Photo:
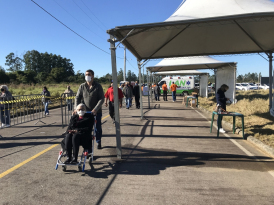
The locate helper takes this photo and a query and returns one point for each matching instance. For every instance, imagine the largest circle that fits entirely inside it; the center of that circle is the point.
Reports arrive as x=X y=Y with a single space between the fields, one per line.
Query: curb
x=266 y=148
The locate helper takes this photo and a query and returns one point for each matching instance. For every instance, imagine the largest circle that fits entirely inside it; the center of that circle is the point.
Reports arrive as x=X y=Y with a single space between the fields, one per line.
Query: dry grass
x=254 y=106
x=55 y=89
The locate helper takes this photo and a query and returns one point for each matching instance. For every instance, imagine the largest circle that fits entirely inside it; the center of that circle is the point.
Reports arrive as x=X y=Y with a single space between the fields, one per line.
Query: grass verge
x=254 y=106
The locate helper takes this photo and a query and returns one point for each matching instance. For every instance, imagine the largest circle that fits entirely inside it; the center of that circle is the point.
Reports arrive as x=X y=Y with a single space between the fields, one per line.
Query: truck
x=185 y=84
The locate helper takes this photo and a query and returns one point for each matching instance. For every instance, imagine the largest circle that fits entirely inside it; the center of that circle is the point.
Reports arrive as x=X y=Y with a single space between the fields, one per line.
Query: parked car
x=264 y=86
x=245 y=86
x=238 y=86
x=252 y=86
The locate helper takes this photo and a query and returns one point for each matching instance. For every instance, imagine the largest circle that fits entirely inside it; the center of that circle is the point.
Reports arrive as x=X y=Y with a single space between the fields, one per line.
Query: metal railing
x=67 y=107
x=20 y=109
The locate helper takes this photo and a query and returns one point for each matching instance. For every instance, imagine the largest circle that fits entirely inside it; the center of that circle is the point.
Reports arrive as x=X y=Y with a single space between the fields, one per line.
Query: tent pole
x=148 y=90
x=140 y=90
x=116 y=100
x=270 y=56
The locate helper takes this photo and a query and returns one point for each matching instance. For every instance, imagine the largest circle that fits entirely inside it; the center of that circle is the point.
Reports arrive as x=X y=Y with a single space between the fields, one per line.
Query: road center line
x=31 y=158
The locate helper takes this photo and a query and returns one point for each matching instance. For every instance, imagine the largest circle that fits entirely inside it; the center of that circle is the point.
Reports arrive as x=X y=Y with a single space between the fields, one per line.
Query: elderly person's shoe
x=99 y=146
x=67 y=161
x=74 y=161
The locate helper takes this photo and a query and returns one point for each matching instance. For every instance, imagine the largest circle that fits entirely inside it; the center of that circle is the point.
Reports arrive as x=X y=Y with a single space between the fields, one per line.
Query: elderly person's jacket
x=83 y=126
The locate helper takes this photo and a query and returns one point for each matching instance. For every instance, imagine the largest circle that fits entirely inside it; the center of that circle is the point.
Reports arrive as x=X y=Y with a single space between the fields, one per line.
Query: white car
x=264 y=86
x=238 y=86
x=252 y=86
x=245 y=86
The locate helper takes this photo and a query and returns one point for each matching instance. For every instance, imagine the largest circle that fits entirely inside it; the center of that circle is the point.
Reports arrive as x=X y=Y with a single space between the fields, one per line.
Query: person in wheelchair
x=78 y=133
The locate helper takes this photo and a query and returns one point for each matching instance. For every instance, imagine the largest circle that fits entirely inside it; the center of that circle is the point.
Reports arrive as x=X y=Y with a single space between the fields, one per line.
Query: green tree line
x=36 y=67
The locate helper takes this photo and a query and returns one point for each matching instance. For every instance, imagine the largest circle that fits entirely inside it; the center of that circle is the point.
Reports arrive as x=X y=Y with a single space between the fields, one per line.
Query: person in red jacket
x=110 y=96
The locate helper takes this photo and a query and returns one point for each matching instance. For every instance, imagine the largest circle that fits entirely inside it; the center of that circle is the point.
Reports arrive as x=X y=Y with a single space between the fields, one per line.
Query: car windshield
x=238 y=84
x=244 y=84
x=251 y=84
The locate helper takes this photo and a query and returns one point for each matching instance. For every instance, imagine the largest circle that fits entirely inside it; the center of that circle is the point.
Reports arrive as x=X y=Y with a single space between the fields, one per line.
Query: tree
x=58 y=74
x=4 y=78
x=14 y=63
x=120 y=75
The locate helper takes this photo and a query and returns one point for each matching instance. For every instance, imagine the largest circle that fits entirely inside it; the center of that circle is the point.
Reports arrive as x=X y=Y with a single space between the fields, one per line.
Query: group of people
x=129 y=91
x=157 y=91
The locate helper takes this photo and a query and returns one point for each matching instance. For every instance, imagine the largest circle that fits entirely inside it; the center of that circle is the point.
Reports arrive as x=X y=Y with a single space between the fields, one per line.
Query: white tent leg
x=140 y=90
x=116 y=99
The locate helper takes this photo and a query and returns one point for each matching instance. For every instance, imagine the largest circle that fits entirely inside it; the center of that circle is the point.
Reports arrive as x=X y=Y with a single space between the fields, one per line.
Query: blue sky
x=24 y=26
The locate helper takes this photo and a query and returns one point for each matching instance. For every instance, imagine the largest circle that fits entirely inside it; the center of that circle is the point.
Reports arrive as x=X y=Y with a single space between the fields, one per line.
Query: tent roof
x=188 y=63
x=209 y=27
x=181 y=72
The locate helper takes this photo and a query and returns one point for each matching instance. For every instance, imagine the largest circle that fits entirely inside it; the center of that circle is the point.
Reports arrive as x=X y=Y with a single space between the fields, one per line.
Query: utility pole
x=125 y=63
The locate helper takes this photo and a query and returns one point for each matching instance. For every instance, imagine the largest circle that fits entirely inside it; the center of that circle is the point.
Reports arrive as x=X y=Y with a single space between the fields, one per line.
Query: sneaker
x=221 y=130
x=47 y=114
x=3 y=125
x=113 y=121
x=7 y=125
x=173 y=101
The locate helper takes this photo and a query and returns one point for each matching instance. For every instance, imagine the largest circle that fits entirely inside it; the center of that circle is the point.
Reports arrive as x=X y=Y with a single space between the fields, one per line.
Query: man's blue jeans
x=5 y=116
x=128 y=102
x=98 y=127
x=174 y=95
x=46 y=107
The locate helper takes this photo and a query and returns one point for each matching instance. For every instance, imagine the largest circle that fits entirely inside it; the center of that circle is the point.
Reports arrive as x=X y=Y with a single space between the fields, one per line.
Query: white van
x=185 y=84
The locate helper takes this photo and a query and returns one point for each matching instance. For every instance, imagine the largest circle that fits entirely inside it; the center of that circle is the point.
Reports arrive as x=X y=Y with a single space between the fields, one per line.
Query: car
x=252 y=86
x=264 y=86
x=238 y=86
x=245 y=86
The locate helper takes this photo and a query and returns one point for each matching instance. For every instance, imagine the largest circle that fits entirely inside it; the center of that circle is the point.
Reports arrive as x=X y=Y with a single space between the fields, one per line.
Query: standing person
x=173 y=89
x=109 y=95
x=157 y=92
x=5 y=113
x=92 y=95
x=136 y=93
x=221 y=101
x=45 y=100
x=164 y=88
x=131 y=86
x=68 y=94
x=127 y=91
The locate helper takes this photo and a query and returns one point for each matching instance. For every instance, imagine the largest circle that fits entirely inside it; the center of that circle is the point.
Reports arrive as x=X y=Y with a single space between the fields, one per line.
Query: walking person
x=173 y=88
x=109 y=95
x=136 y=93
x=92 y=95
x=5 y=95
x=68 y=94
x=164 y=88
x=157 y=92
x=45 y=99
x=221 y=101
x=127 y=91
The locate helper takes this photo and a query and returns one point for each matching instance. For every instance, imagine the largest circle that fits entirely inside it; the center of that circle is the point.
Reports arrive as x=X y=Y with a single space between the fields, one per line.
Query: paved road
x=168 y=158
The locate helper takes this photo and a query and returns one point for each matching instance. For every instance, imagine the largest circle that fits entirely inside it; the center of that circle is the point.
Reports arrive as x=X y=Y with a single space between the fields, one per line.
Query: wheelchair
x=86 y=155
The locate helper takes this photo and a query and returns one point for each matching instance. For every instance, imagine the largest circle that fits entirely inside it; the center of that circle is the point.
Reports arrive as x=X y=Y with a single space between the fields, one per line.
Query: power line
x=94 y=15
x=69 y=27
x=78 y=20
x=88 y=16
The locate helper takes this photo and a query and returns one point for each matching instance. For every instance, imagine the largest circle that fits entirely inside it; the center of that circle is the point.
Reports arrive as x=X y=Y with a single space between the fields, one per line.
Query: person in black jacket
x=221 y=101
x=78 y=133
x=46 y=100
x=136 y=93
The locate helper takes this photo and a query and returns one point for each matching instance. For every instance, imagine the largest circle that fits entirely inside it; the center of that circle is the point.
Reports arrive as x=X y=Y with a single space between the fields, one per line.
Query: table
x=234 y=115
x=187 y=99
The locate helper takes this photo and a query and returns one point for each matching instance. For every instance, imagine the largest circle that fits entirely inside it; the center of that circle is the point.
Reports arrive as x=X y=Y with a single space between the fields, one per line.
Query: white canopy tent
x=211 y=27
x=225 y=72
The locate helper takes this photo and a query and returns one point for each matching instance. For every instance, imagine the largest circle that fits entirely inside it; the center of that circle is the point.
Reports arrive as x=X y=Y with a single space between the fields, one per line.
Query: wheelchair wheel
x=79 y=168
x=64 y=168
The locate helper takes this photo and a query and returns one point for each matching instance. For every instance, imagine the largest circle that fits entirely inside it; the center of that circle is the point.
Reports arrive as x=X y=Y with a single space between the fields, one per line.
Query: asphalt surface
x=168 y=158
